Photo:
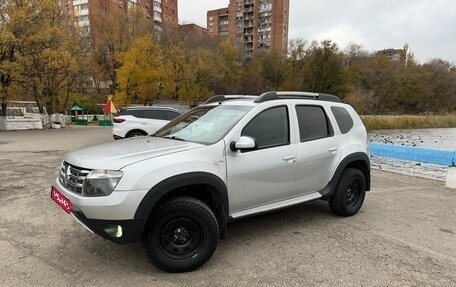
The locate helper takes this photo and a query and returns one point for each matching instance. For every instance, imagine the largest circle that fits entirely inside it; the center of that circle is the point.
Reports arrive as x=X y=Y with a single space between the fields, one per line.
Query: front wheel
x=350 y=192
x=182 y=235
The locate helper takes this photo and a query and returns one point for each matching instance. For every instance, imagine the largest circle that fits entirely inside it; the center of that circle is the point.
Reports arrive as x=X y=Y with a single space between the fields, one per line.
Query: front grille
x=72 y=177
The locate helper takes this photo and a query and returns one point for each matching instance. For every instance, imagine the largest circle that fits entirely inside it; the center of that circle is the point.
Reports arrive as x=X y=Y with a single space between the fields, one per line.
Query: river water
x=430 y=138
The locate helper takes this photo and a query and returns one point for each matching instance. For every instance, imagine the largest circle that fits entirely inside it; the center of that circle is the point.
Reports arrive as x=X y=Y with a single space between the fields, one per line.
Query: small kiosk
x=75 y=112
x=108 y=110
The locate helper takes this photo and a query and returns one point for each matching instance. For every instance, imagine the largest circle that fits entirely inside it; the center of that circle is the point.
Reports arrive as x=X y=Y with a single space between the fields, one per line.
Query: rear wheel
x=182 y=235
x=350 y=192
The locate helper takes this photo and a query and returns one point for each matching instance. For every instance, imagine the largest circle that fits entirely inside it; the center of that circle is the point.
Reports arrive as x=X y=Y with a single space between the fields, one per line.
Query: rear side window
x=269 y=128
x=170 y=115
x=313 y=123
x=135 y=113
x=343 y=118
x=155 y=114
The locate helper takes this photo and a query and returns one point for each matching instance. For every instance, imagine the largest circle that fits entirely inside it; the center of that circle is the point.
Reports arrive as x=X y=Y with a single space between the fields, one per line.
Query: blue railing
x=427 y=155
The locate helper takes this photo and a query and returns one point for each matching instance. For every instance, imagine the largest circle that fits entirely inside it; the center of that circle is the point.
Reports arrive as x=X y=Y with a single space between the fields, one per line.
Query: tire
x=349 y=194
x=182 y=235
x=136 y=134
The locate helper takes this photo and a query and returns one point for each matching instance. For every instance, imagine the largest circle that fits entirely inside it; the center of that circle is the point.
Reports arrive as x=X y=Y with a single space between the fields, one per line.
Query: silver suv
x=232 y=157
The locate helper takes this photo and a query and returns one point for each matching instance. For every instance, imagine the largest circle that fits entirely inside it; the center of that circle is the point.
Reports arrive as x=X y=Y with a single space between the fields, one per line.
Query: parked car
x=141 y=120
x=227 y=159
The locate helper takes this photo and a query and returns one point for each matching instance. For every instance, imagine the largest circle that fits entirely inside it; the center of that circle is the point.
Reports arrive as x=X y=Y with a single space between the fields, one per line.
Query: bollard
x=451 y=177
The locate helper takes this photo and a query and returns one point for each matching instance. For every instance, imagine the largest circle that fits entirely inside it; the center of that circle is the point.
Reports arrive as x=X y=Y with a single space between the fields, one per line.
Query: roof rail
x=222 y=98
x=269 y=96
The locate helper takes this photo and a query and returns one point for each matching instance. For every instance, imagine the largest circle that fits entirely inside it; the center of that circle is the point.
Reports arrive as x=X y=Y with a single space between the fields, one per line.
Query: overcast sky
x=428 y=26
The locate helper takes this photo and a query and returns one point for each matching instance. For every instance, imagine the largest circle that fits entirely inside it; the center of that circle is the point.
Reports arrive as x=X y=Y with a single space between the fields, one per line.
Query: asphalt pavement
x=404 y=235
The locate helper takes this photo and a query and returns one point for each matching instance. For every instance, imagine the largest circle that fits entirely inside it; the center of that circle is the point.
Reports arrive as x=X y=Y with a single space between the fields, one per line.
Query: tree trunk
x=3 y=111
x=3 y=117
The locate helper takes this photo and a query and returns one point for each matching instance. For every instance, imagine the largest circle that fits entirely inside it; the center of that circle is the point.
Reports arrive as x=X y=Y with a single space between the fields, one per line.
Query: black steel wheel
x=182 y=235
x=349 y=194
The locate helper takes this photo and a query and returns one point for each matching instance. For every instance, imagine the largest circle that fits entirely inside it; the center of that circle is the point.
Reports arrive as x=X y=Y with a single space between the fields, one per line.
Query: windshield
x=206 y=125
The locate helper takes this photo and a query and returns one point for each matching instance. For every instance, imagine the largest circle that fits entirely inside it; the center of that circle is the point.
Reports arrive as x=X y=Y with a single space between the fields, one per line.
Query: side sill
x=275 y=206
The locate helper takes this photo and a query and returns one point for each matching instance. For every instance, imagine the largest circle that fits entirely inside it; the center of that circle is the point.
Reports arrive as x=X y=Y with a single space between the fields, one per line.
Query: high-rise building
x=217 y=22
x=253 y=24
x=394 y=55
x=83 y=13
x=169 y=11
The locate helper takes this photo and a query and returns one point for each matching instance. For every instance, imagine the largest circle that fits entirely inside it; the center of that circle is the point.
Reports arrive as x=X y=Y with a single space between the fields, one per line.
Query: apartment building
x=253 y=24
x=394 y=55
x=83 y=13
x=217 y=22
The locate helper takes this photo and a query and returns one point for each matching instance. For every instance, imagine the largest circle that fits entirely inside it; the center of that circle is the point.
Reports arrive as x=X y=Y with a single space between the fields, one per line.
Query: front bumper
x=116 y=137
x=100 y=213
x=131 y=230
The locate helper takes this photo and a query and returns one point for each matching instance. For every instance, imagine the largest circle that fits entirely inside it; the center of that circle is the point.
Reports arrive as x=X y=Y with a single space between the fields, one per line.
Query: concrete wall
x=21 y=123
x=427 y=155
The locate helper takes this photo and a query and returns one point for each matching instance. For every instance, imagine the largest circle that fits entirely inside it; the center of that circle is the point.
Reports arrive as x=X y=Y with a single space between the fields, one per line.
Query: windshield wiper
x=174 y=138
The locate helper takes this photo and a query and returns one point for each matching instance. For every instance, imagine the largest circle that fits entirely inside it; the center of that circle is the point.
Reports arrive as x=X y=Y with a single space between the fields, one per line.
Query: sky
x=427 y=26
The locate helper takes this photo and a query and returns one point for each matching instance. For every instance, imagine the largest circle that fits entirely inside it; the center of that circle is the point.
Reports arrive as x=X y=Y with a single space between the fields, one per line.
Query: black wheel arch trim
x=173 y=183
x=328 y=191
x=134 y=131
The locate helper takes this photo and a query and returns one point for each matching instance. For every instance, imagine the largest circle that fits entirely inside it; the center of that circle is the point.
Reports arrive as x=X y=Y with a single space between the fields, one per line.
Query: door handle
x=332 y=149
x=289 y=159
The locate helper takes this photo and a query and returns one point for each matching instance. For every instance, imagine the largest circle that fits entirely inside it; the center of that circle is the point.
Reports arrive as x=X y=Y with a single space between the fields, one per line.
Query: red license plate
x=61 y=200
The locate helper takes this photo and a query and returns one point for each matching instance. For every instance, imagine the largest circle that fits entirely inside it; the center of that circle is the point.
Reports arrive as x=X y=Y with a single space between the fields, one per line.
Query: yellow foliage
x=141 y=77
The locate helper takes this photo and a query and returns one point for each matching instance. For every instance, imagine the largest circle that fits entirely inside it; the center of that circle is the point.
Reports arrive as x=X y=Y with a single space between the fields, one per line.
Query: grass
x=409 y=122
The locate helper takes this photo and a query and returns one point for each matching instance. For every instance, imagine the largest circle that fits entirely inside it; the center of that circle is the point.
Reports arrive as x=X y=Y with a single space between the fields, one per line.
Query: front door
x=264 y=175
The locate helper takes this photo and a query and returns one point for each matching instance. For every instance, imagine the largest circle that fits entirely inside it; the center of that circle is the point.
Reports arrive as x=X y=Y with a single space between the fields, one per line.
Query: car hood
x=118 y=154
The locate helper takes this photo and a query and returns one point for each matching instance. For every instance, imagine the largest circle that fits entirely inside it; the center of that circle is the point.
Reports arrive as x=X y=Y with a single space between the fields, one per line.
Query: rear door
x=154 y=120
x=317 y=150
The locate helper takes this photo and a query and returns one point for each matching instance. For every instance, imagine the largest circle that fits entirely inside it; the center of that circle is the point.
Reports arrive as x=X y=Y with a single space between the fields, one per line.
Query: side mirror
x=244 y=143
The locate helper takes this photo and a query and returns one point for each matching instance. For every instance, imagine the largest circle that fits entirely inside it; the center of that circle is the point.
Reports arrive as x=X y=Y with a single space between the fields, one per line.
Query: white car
x=141 y=121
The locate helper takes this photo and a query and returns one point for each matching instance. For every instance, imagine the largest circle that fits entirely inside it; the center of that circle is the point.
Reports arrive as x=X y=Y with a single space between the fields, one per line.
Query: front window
x=206 y=125
x=270 y=128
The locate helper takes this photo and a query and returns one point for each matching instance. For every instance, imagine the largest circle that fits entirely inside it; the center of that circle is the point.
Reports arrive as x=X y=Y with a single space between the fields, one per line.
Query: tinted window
x=343 y=119
x=135 y=113
x=171 y=115
x=313 y=123
x=269 y=128
x=155 y=114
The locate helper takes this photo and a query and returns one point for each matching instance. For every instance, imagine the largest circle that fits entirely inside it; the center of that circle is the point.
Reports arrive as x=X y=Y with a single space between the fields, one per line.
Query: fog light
x=114 y=230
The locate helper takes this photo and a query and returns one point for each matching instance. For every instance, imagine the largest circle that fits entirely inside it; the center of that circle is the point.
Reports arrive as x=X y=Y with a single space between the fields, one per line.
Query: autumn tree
x=7 y=67
x=41 y=50
x=324 y=69
x=198 y=76
x=45 y=56
x=297 y=54
x=113 y=33
x=273 y=69
x=251 y=82
x=229 y=67
x=141 y=74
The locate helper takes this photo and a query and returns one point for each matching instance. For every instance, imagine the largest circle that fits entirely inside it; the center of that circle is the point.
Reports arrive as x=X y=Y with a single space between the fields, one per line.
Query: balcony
x=158 y=18
x=248 y=23
x=248 y=39
x=81 y=12
x=79 y=2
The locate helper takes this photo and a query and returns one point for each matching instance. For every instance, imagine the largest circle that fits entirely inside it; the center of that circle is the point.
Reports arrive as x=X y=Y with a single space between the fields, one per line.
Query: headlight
x=100 y=182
